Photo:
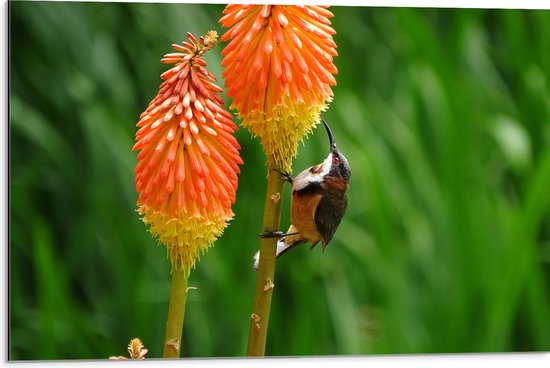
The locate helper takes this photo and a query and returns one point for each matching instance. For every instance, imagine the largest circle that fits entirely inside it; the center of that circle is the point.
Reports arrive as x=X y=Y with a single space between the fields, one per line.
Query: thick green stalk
x=176 y=314
x=259 y=318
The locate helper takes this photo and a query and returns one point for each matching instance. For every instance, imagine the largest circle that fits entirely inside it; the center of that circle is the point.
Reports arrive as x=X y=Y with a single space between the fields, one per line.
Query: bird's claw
x=285 y=175
x=269 y=234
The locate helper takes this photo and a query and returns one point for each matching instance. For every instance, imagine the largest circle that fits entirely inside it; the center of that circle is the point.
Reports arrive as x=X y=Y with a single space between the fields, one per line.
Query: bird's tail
x=280 y=248
x=285 y=243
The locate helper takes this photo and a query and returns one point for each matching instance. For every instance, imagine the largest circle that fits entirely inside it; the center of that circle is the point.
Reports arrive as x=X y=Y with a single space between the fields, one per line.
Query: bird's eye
x=335 y=159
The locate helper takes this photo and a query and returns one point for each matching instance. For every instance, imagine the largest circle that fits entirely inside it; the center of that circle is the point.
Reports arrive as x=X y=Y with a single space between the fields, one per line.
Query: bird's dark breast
x=310 y=189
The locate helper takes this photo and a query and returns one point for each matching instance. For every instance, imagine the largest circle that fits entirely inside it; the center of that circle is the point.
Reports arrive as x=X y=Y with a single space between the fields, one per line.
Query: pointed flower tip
x=211 y=39
x=186 y=174
x=278 y=69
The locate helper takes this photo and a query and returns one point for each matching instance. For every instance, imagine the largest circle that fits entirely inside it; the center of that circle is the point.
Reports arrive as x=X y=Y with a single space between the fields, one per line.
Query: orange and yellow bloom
x=279 y=69
x=188 y=158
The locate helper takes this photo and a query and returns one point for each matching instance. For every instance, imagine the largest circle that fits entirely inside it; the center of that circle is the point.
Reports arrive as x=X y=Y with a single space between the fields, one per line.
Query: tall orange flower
x=279 y=69
x=187 y=167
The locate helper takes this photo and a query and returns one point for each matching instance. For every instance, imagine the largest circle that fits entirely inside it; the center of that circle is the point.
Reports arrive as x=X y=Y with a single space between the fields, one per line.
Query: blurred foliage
x=443 y=114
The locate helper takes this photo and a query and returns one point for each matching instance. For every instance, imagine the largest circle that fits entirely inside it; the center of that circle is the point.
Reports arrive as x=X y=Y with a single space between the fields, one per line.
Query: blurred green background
x=443 y=114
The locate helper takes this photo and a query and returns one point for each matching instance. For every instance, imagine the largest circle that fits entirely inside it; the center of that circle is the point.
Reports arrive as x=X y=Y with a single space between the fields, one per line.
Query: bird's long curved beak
x=330 y=136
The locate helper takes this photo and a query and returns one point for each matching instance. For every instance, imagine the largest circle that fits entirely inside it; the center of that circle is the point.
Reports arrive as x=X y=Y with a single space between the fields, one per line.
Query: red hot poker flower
x=279 y=69
x=187 y=167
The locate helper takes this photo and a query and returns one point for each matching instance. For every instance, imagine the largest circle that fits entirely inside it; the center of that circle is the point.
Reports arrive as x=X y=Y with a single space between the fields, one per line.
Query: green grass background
x=443 y=114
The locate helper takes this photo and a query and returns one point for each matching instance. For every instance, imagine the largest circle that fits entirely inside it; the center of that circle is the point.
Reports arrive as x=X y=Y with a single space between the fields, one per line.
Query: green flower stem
x=176 y=313
x=259 y=318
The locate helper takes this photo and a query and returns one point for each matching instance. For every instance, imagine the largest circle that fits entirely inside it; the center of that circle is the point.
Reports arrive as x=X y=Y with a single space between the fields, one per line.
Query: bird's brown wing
x=328 y=215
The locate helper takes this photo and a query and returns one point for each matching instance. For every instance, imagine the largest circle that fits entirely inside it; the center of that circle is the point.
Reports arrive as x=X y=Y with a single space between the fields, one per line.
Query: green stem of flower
x=176 y=313
x=259 y=318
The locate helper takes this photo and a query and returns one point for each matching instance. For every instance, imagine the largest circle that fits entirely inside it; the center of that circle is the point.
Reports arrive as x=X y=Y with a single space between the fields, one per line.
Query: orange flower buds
x=188 y=159
x=279 y=69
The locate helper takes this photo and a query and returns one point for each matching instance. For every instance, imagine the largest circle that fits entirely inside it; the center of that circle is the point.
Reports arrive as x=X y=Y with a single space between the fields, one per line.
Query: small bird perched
x=318 y=203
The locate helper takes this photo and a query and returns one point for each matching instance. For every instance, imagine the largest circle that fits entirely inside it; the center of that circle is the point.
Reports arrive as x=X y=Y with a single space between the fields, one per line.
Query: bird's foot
x=285 y=175
x=269 y=234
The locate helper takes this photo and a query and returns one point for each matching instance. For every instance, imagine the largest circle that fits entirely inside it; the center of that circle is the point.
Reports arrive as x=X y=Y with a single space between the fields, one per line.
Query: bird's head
x=336 y=164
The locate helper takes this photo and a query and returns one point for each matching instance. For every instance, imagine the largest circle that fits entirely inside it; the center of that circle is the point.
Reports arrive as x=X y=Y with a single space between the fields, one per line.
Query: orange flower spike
x=279 y=70
x=187 y=167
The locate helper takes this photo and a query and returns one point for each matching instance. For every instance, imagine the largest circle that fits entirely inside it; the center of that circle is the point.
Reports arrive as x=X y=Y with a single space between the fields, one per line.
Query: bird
x=319 y=201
